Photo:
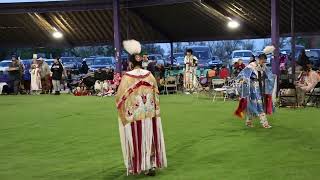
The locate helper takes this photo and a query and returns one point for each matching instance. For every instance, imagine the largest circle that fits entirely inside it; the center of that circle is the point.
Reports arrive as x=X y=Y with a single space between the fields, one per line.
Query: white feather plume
x=132 y=46
x=268 y=49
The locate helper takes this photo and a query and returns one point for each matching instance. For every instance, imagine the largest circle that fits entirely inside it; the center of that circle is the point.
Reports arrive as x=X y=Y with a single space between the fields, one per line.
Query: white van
x=241 y=54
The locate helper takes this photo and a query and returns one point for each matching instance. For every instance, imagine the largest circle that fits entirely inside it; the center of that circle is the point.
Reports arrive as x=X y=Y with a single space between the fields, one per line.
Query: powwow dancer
x=256 y=89
x=140 y=124
x=190 y=76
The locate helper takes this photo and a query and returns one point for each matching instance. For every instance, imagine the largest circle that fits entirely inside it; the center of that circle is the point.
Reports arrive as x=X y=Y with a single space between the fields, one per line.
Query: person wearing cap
x=15 y=75
x=45 y=75
x=140 y=126
x=256 y=85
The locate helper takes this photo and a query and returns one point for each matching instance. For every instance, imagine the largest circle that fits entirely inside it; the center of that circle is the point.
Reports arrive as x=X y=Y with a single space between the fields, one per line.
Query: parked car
x=203 y=54
x=314 y=56
x=215 y=61
x=298 y=51
x=175 y=56
x=241 y=54
x=4 y=66
x=102 y=62
x=89 y=61
x=71 y=63
x=158 y=58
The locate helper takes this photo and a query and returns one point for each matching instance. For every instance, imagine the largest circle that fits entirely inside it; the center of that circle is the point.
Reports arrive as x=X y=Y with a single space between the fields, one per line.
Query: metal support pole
x=171 y=52
x=293 y=41
x=116 y=35
x=275 y=35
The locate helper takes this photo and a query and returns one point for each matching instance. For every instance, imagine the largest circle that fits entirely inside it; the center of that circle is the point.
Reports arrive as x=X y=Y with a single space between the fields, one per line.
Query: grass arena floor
x=67 y=138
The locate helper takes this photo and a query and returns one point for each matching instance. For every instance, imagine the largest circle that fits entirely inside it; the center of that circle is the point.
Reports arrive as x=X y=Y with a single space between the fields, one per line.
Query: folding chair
x=170 y=82
x=314 y=94
x=219 y=89
x=287 y=82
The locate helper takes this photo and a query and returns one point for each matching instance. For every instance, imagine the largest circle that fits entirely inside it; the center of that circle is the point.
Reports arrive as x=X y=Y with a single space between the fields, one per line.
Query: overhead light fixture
x=233 y=24
x=57 y=34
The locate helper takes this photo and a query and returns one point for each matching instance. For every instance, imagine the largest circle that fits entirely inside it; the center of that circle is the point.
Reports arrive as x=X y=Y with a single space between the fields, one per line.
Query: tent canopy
x=84 y=22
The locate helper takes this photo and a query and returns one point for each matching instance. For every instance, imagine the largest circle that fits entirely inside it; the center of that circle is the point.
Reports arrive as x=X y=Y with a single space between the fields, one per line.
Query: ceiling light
x=233 y=24
x=57 y=35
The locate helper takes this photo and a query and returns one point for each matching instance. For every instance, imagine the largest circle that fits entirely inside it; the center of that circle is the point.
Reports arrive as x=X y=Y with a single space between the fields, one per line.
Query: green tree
x=152 y=49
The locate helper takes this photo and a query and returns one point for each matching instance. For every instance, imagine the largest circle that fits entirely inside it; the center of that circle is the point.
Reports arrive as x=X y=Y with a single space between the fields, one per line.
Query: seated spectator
x=69 y=81
x=306 y=82
x=81 y=90
x=4 y=88
x=238 y=66
x=224 y=72
x=100 y=74
x=303 y=59
x=283 y=61
x=109 y=74
x=212 y=72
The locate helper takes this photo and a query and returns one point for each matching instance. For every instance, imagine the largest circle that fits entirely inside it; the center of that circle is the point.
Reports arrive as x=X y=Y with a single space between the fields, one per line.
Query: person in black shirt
x=57 y=70
x=84 y=68
x=15 y=74
x=109 y=75
x=303 y=59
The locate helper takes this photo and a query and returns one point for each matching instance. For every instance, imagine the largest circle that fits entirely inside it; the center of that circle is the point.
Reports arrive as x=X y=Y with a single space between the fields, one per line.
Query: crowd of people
x=41 y=78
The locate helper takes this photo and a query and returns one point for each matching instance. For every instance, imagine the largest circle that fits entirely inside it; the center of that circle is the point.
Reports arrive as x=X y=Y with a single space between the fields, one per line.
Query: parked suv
x=203 y=54
x=241 y=54
x=314 y=56
x=4 y=66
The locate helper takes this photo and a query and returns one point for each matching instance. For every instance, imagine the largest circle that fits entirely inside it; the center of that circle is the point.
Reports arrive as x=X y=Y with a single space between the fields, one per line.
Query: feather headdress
x=268 y=49
x=132 y=46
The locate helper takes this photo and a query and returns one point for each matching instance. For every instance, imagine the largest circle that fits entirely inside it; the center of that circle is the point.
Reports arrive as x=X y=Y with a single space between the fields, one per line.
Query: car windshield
x=242 y=54
x=201 y=54
x=103 y=61
x=4 y=64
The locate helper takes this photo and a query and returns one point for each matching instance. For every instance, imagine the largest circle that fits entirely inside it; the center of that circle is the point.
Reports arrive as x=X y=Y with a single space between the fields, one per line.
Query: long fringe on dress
x=143 y=145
